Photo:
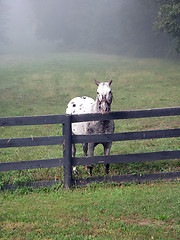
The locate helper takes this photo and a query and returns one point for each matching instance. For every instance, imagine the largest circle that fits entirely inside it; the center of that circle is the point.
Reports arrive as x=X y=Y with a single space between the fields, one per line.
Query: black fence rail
x=67 y=139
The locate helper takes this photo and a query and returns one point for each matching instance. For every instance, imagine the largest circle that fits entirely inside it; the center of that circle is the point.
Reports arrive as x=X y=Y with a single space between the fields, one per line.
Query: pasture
x=43 y=85
x=100 y=211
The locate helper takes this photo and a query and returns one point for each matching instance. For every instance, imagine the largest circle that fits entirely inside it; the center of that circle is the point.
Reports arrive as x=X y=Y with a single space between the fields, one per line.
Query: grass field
x=100 y=211
x=44 y=85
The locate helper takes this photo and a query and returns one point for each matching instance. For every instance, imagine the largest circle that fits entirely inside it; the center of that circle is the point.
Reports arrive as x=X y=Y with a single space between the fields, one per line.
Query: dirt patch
x=14 y=226
x=145 y=223
x=148 y=222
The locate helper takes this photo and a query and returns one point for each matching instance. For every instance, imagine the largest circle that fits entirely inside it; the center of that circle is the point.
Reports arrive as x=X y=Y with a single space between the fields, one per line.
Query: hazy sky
x=106 y=26
x=21 y=28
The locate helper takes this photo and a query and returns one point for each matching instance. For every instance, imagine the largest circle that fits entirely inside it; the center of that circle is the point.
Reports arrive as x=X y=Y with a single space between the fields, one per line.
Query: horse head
x=104 y=96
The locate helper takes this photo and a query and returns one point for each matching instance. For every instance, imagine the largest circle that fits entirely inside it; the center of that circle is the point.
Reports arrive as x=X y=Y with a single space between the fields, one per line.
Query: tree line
x=131 y=27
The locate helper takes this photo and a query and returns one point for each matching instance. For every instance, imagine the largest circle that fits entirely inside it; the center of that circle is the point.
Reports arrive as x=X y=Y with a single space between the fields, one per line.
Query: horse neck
x=96 y=107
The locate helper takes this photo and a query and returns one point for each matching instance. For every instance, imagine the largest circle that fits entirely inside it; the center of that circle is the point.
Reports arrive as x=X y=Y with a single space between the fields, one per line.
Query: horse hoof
x=75 y=171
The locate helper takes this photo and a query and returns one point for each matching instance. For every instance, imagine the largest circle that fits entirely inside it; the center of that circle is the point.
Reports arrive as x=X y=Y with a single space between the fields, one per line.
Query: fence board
x=32 y=185
x=66 y=161
x=157 y=112
x=118 y=179
x=58 y=140
x=24 y=165
x=32 y=120
x=56 y=119
x=126 y=158
x=130 y=178
x=34 y=141
x=169 y=133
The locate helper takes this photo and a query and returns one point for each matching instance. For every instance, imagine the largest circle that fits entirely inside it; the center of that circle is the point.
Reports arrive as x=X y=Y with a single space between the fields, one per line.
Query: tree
x=168 y=20
x=116 y=26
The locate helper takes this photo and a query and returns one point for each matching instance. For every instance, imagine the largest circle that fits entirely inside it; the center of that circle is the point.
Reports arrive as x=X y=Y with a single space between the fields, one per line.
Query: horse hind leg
x=73 y=150
x=73 y=155
x=85 y=149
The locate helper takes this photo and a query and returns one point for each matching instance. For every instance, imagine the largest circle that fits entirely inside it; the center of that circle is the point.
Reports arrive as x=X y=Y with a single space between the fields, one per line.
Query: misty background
x=123 y=27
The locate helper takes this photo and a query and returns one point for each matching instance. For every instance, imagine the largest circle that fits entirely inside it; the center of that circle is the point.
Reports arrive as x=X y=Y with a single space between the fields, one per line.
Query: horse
x=83 y=105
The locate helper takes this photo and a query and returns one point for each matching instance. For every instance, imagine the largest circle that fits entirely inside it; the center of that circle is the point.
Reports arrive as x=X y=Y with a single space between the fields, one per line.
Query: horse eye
x=110 y=92
x=97 y=92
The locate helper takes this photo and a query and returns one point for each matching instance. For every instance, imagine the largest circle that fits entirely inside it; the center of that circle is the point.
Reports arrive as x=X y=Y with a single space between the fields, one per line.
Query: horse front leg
x=91 y=147
x=85 y=149
x=107 y=148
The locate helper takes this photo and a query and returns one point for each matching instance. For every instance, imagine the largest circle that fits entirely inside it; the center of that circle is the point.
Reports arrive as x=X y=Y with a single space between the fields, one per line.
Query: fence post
x=67 y=131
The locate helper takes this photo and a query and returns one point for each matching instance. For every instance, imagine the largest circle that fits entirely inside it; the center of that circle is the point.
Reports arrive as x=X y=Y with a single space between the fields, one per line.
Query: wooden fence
x=67 y=139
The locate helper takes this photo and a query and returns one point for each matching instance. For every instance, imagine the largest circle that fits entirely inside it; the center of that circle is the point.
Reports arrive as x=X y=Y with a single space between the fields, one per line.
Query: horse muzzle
x=104 y=107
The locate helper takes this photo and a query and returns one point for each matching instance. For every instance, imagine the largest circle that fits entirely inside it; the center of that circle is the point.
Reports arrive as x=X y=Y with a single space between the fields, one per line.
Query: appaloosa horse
x=82 y=105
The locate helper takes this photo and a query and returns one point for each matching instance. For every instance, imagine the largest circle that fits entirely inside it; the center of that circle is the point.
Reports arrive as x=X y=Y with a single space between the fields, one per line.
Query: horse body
x=82 y=105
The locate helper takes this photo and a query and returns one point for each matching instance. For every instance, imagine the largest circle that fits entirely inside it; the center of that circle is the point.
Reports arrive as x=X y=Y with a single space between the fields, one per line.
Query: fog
x=103 y=26
x=20 y=29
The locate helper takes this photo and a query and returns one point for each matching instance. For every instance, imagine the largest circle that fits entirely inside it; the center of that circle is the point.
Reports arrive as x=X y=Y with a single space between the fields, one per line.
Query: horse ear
x=110 y=81
x=96 y=82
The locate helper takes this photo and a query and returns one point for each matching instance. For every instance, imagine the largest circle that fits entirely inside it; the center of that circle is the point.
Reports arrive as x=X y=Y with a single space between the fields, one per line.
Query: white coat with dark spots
x=83 y=105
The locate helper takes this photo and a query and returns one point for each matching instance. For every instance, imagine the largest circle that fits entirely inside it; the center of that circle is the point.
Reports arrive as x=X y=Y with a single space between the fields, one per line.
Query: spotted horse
x=83 y=105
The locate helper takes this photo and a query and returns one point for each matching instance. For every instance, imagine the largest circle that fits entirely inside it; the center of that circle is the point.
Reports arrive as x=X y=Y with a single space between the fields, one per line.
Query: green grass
x=43 y=85
x=99 y=211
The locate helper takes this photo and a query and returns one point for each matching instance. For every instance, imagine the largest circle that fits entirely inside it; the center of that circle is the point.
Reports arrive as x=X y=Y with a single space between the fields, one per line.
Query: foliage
x=120 y=27
x=168 y=20
x=116 y=26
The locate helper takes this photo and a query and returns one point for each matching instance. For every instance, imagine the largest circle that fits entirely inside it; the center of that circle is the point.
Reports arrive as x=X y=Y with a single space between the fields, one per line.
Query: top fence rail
x=59 y=119
x=32 y=120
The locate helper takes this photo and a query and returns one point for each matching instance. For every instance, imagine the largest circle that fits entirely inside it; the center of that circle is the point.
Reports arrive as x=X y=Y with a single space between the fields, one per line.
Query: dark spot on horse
x=90 y=130
x=74 y=105
x=83 y=97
